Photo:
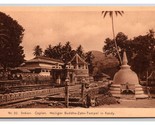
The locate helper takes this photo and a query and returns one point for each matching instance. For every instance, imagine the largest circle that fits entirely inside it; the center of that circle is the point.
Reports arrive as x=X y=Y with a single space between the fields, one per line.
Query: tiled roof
x=77 y=59
x=22 y=69
x=44 y=60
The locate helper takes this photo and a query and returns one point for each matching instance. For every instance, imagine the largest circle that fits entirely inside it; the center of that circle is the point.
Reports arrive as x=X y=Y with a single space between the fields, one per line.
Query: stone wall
x=19 y=96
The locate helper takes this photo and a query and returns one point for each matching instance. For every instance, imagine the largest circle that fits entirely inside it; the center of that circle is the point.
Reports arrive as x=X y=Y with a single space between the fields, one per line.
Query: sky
x=79 y=25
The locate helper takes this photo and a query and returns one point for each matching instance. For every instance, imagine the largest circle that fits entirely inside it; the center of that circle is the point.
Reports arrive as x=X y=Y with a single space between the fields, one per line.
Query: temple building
x=75 y=69
x=126 y=83
x=42 y=65
x=79 y=68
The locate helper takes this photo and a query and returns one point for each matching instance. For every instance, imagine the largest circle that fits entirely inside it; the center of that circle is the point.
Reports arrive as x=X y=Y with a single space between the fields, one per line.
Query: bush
x=106 y=100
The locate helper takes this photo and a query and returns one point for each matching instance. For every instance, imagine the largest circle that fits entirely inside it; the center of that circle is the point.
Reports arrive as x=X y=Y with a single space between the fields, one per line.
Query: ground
x=141 y=103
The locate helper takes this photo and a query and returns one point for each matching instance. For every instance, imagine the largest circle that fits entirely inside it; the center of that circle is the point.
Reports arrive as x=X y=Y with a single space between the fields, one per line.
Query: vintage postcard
x=77 y=61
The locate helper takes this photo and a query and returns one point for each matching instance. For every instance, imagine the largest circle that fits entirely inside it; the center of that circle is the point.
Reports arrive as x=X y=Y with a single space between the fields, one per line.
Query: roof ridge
x=78 y=57
x=46 y=58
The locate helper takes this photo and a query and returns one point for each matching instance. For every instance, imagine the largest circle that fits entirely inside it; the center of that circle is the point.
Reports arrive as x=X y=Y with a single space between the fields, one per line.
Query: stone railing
x=19 y=96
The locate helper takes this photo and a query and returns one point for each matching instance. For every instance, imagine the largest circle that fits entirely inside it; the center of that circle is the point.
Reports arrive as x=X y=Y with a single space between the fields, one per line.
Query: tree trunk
x=120 y=60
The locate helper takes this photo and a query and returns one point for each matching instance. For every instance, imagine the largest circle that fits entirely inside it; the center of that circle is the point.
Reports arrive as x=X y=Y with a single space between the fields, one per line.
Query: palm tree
x=111 y=14
x=37 y=51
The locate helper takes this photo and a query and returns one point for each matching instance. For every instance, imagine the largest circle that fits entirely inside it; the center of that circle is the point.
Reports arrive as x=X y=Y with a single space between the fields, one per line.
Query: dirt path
x=143 y=103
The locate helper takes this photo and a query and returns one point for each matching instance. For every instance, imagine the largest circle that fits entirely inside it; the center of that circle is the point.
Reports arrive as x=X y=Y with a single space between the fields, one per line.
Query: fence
x=19 y=96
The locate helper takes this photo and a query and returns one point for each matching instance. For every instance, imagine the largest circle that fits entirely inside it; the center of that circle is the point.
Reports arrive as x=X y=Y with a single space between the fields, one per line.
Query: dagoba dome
x=125 y=74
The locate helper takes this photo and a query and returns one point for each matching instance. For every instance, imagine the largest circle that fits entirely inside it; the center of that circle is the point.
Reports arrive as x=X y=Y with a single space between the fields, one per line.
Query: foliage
x=80 y=52
x=66 y=53
x=103 y=63
x=37 y=51
x=11 y=34
x=62 y=52
x=140 y=50
x=111 y=14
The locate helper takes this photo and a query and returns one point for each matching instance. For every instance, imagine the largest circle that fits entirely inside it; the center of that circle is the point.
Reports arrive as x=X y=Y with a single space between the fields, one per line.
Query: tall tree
x=37 y=51
x=111 y=14
x=11 y=34
x=67 y=52
x=57 y=51
x=48 y=51
x=80 y=51
x=62 y=52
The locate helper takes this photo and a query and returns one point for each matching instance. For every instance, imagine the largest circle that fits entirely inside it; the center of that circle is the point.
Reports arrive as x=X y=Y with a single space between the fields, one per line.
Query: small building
x=43 y=66
x=79 y=67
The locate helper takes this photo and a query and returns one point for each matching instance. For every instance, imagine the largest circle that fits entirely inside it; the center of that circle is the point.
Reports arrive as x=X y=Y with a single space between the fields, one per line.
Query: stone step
x=137 y=89
x=139 y=92
x=115 y=89
x=138 y=86
x=142 y=96
x=115 y=86
x=114 y=92
x=116 y=95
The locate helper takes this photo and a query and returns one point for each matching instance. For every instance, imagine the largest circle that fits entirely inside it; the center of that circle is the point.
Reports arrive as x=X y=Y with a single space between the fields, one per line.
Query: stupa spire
x=125 y=60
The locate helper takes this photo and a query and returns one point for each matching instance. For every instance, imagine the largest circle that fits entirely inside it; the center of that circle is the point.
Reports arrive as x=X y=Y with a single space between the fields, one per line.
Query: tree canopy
x=140 y=50
x=63 y=52
x=59 y=51
x=37 y=51
x=66 y=52
x=11 y=34
x=79 y=51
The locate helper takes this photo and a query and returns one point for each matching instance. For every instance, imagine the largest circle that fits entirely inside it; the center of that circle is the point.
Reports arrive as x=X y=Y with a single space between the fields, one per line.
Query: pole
x=83 y=82
x=67 y=92
x=82 y=90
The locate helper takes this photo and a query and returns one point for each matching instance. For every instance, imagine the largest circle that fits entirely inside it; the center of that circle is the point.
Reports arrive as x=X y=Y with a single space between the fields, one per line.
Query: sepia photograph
x=77 y=61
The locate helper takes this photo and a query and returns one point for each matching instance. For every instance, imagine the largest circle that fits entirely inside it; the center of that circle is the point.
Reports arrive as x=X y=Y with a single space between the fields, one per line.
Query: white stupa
x=125 y=74
x=126 y=82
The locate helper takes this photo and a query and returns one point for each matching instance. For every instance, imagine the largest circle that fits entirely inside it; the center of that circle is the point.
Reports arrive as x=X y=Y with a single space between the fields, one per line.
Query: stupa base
x=140 y=92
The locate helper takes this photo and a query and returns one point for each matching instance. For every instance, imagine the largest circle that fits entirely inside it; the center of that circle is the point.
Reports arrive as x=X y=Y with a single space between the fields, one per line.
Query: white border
x=78 y=121
x=79 y=2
